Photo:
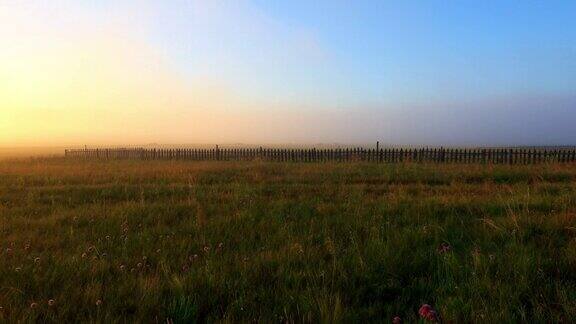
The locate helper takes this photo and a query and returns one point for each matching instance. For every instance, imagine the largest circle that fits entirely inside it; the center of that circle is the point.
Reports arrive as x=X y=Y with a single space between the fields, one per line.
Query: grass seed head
x=444 y=248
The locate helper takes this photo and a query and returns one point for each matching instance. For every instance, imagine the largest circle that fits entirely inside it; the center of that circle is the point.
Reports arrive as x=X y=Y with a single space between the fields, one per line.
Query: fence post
x=541 y=156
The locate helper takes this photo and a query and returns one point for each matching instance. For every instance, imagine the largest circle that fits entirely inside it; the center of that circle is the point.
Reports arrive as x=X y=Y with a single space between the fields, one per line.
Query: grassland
x=270 y=242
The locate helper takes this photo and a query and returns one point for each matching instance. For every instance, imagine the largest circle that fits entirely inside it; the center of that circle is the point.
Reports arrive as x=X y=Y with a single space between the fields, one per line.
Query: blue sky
x=444 y=50
x=404 y=72
x=391 y=51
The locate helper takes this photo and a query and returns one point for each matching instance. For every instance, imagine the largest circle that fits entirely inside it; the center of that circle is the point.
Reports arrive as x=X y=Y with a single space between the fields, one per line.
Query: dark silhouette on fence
x=387 y=155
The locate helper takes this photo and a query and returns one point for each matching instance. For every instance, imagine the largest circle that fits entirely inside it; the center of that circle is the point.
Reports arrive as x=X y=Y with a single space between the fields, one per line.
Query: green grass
x=272 y=242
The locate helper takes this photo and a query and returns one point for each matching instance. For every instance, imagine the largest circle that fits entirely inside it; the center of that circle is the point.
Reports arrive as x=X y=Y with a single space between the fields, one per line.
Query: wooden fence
x=390 y=155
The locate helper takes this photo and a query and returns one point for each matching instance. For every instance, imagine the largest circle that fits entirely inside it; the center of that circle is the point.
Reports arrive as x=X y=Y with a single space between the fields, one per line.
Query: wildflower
x=206 y=249
x=98 y=302
x=122 y=267
x=144 y=258
x=132 y=270
x=91 y=249
x=36 y=260
x=139 y=265
x=396 y=320
x=158 y=251
x=33 y=305
x=84 y=255
x=104 y=254
x=27 y=247
x=424 y=310
x=51 y=302
x=18 y=269
x=432 y=316
x=220 y=245
x=107 y=237
x=444 y=248
x=427 y=312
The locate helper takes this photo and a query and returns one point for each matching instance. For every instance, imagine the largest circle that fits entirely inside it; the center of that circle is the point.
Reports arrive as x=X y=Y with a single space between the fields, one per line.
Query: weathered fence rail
x=386 y=155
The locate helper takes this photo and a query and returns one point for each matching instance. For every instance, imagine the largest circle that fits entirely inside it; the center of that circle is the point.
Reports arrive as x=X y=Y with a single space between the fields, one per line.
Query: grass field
x=271 y=242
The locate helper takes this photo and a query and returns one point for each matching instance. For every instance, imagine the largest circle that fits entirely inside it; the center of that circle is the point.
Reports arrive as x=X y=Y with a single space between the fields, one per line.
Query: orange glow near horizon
x=100 y=86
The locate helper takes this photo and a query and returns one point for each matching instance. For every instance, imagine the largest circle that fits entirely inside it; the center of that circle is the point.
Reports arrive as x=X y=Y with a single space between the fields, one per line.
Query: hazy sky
x=300 y=71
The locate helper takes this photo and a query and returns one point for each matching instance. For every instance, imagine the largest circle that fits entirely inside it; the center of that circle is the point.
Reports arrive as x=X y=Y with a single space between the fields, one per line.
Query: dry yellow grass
x=252 y=241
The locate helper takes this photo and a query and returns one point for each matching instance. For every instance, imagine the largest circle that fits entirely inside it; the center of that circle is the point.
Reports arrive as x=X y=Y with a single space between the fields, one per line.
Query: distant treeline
x=384 y=155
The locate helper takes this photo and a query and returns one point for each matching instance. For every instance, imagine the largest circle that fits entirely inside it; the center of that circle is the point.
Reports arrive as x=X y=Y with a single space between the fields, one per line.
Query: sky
x=287 y=72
